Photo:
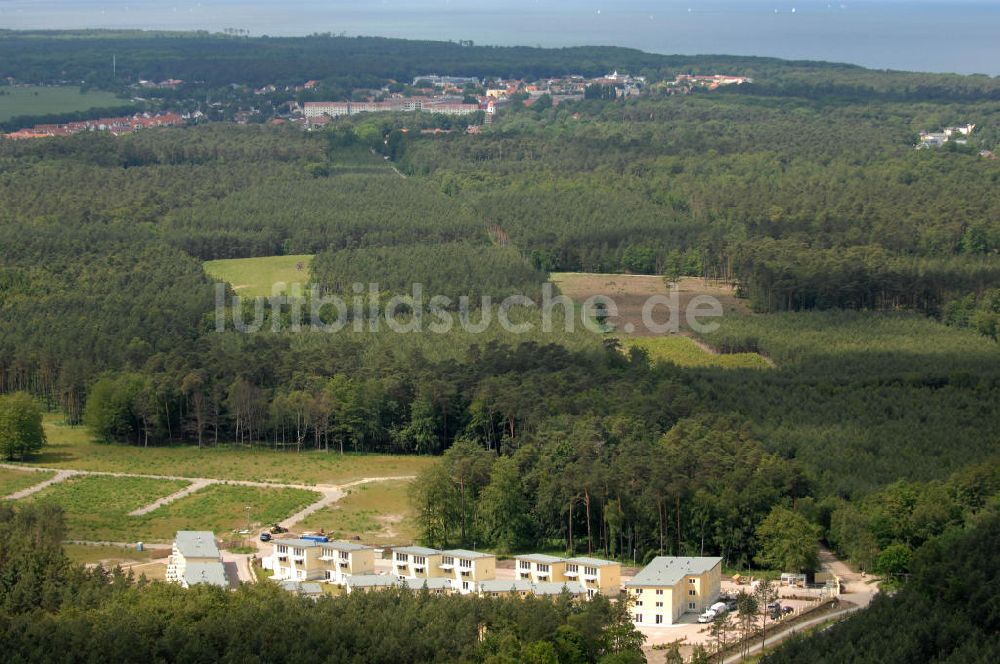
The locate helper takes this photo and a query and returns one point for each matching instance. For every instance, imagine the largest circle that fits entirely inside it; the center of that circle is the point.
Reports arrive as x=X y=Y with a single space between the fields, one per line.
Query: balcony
x=570 y=574
x=446 y=566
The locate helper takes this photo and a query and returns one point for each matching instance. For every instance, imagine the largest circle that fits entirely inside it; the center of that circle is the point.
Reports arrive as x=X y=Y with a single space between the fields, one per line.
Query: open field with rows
x=97 y=507
x=253 y=277
x=73 y=447
x=221 y=509
x=12 y=481
x=377 y=513
x=45 y=100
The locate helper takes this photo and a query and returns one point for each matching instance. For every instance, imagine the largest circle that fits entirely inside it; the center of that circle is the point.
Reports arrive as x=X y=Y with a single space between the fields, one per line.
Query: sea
x=961 y=36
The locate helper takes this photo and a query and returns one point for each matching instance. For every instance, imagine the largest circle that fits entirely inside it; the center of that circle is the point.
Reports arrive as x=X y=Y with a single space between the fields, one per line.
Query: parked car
x=787 y=609
x=265 y=537
x=707 y=617
x=277 y=530
x=719 y=607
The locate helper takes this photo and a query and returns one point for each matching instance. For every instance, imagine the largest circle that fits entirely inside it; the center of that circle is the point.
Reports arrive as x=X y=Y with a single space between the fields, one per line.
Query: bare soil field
x=630 y=292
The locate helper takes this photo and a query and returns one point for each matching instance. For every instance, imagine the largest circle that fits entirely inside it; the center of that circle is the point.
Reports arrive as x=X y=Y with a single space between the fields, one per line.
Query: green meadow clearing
x=45 y=100
x=97 y=507
x=219 y=508
x=252 y=277
x=377 y=513
x=684 y=352
x=12 y=481
x=72 y=447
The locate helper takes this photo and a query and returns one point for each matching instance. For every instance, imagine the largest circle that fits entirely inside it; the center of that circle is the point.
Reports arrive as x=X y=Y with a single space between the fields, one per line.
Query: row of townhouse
x=312 y=560
x=595 y=575
x=444 y=586
x=195 y=559
x=465 y=570
x=670 y=586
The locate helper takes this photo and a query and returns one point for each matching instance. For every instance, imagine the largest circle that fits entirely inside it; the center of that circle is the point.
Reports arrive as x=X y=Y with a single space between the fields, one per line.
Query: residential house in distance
x=195 y=559
x=670 y=586
x=935 y=139
x=416 y=562
x=595 y=574
x=343 y=559
x=467 y=569
x=541 y=568
x=298 y=559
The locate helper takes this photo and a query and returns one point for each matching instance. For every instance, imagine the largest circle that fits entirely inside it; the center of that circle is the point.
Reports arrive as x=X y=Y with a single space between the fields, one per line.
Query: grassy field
x=110 y=555
x=12 y=481
x=45 y=100
x=686 y=353
x=253 y=277
x=378 y=513
x=97 y=507
x=221 y=509
x=72 y=447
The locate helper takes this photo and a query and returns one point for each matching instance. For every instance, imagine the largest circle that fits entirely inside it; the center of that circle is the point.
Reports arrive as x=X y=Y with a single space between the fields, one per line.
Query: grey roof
x=669 y=570
x=572 y=587
x=302 y=587
x=300 y=543
x=341 y=545
x=196 y=544
x=370 y=581
x=506 y=585
x=465 y=553
x=540 y=558
x=416 y=550
x=525 y=586
x=310 y=588
x=591 y=562
x=214 y=574
x=432 y=584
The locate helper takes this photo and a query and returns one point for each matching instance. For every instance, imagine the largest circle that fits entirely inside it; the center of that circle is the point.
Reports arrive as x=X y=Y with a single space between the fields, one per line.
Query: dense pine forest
x=872 y=270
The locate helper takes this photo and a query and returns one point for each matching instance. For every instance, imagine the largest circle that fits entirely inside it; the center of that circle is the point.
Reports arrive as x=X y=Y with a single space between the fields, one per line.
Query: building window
x=344 y=555
x=638 y=591
x=282 y=548
x=524 y=564
x=639 y=603
x=692 y=592
x=447 y=560
x=638 y=617
x=543 y=568
x=465 y=585
x=592 y=571
x=692 y=605
x=462 y=562
x=692 y=581
x=591 y=592
x=402 y=557
x=525 y=576
x=419 y=560
x=659 y=591
x=659 y=604
x=659 y=619
x=571 y=568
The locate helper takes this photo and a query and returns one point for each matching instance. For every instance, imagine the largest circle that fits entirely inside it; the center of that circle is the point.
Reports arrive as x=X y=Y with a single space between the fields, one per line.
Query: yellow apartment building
x=670 y=586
